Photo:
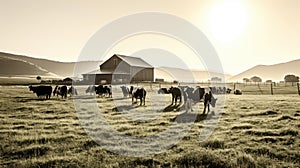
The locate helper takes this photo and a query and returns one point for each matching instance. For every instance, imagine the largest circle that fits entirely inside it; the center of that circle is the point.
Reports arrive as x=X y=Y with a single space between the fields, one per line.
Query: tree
x=245 y=80
x=256 y=79
x=291 y=78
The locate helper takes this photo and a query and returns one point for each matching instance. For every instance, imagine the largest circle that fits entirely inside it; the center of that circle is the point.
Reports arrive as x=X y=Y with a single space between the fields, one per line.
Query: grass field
x=254 y=131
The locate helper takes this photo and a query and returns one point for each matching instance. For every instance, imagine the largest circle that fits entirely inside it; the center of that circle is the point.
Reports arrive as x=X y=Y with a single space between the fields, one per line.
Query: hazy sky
x=244 y=33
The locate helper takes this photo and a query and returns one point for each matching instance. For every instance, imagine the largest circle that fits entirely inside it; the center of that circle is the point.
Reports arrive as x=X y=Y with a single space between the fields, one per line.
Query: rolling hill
x=274 y=72
x=18 y=65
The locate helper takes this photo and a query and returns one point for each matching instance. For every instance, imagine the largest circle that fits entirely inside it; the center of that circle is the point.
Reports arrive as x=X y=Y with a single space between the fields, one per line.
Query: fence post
x=298 y=88
x=234 y=86
x=271 y=88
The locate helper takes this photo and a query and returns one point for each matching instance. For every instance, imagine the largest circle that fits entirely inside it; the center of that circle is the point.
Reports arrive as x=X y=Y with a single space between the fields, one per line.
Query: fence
x=247 y=88
x=266 y=88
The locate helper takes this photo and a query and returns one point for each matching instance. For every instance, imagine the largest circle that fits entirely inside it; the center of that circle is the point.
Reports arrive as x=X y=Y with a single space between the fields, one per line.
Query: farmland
x=253 y=131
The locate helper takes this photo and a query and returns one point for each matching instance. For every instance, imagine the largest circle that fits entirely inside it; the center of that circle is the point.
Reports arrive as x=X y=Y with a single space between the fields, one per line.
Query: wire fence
x=246 y=88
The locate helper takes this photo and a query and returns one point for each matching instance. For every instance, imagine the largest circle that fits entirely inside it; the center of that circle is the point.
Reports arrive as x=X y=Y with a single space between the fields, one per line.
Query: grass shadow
x=191 y=117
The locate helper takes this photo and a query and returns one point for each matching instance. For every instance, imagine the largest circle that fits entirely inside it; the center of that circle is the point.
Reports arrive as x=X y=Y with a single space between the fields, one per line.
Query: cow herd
x=188 y=95
x=46 y=91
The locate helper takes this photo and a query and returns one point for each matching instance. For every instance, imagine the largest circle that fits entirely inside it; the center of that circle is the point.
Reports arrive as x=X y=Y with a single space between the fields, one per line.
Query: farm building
x=121 y=69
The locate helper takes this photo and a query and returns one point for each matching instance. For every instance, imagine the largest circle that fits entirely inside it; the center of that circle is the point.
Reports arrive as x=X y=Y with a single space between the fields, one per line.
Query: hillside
x=17 y=67
x=274 y=72
x=60 y=69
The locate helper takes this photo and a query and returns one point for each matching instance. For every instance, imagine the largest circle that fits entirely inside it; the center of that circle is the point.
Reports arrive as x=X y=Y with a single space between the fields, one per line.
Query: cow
x=125 y=91
x=72 y=91
x=176 y=93
x=196 y=95
x=163 y=91
x=209 y=100
x=41 y=91
x=61 y=90
x=138 y=93
x=90 y=90
x=237 y=92
x=228 y=90
x=103 y=90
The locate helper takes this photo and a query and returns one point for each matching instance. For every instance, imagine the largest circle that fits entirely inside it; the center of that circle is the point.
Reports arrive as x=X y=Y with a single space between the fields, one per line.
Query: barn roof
x=134 y=61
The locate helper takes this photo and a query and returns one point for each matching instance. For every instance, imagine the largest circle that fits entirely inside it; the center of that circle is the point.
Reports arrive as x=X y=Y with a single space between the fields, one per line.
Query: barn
x=121 y=69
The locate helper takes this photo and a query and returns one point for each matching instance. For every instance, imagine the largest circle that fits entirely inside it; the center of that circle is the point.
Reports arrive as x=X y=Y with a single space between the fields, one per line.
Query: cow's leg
x=204 y=107
x=180 y=98
x=208 y=108
x=172 y=99
x=132 y=99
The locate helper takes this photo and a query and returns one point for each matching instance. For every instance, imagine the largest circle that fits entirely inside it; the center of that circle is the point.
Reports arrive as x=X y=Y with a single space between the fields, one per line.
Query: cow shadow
x=123 y=108
x=26 y=99
x=192 y=117
x=171 y=107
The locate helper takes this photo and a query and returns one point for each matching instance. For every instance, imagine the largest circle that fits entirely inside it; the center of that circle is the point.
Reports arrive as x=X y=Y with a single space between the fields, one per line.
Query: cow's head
x=170 y=89
x=30 y=88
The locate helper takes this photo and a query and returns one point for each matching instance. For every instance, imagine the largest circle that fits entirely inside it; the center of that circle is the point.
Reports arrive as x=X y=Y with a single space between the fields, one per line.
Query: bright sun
x=227 y=20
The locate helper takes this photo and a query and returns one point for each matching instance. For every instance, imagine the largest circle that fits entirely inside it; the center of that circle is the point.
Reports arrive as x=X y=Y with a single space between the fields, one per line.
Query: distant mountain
x=19 y=65
x=274 y=72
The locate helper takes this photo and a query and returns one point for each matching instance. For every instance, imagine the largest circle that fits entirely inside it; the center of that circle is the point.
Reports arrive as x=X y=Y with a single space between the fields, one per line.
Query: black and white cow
x=138 y=93
x=103 y=91
x=60 y=91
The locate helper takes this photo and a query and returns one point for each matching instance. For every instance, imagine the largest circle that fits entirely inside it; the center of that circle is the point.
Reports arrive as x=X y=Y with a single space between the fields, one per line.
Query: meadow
x=253 y=131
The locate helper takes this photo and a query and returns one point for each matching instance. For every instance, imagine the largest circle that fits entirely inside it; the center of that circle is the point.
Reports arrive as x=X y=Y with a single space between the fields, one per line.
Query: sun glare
x=228 y=20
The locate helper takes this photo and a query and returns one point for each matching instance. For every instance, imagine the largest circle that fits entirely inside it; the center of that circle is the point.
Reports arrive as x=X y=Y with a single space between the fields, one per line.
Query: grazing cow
x=176 y=93
x=61 y=90
x=41 y=91
x=163 y=91
x=198 y=94
x=237 y=92
x=91 y=90
x=103 y=90
x=138 y=93
x=125 y=91
x=209 y=100
x=72 y=91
